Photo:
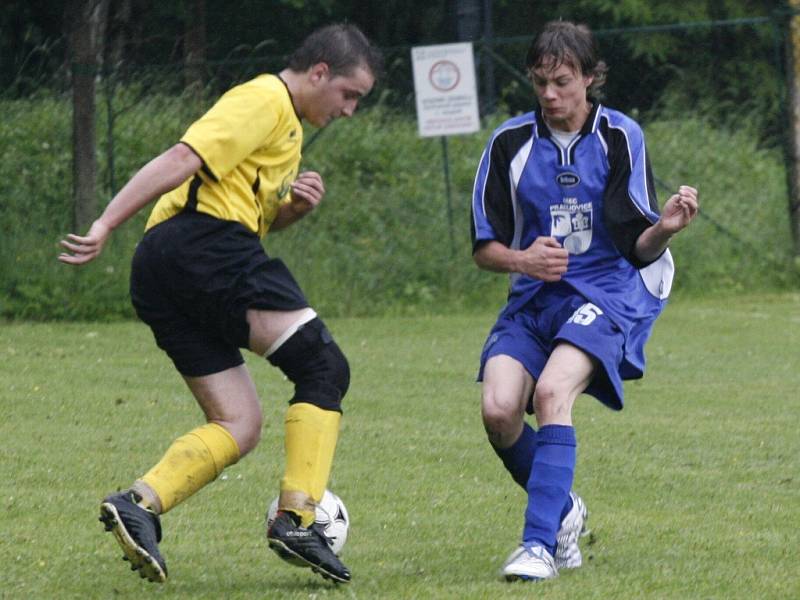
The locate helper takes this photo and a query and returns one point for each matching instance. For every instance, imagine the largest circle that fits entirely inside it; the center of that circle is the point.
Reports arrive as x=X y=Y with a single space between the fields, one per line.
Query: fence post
x=487 y=60
x=793 y=75
x=110 y=116
x=86 y=27
x=446 y=161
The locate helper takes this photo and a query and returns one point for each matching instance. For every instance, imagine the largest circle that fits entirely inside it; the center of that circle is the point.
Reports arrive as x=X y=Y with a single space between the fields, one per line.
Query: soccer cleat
x=529 y=563
x=573 y=527
x=138 y=532
x=308 y=546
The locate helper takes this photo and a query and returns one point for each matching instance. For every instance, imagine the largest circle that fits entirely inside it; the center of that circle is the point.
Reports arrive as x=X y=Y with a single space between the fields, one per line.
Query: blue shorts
x=558 y=313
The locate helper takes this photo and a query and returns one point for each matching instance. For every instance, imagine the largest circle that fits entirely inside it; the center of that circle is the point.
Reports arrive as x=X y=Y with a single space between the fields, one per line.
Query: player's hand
x=82 y=249
x=307 y=192
x=545 y=259
x=679 y=210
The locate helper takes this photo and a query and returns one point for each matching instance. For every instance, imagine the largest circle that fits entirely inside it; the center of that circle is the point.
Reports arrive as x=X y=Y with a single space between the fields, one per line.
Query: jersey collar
x=291 y=98
x=589 y=125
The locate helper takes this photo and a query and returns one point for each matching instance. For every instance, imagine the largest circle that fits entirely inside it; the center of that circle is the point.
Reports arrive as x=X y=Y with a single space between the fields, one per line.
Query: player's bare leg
x=299 y=344
x=233 y=413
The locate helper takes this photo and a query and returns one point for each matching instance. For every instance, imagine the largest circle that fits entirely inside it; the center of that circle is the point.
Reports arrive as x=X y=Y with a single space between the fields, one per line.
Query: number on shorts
x=585 y=314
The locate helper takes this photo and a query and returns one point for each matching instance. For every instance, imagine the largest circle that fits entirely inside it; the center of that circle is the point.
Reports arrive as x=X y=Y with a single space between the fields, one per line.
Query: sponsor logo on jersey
x=571 y=224
x=568 y=179
x=285 y=186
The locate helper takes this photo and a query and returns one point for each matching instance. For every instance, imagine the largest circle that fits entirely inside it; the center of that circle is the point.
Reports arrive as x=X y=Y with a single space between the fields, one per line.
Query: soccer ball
x=331 y=516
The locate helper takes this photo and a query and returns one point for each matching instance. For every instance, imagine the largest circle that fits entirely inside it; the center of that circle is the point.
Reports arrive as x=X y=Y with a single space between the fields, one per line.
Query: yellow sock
x=191 y=462
x=310 y=442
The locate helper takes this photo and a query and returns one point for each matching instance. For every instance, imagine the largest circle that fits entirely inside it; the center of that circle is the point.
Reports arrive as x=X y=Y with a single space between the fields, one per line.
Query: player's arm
x=307 y=192
x=493 y=221
x=545 y=259
x=162 y=174
x=677 y=213
x=630 y=205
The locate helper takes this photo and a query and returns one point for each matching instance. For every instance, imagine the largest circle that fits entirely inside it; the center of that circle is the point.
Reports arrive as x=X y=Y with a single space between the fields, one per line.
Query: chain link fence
x=393 y=232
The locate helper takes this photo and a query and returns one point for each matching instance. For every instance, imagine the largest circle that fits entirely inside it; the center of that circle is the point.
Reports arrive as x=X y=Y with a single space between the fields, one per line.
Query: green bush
x=385 y=240
x=36 y=192
x=741 y=239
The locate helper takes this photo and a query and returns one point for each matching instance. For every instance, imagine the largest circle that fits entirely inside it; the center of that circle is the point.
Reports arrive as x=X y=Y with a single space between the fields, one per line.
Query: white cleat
x=573 y=527
x=529 y=563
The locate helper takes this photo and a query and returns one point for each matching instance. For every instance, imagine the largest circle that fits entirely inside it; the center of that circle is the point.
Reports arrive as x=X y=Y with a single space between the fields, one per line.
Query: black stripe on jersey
x=567 y=156
x=587 y=128
x=203 y=166
x=291 y=98
x=496 y=197
x=208 y=172
x=191 y=202
x=257 y=182
x=623 y=219
x=571 y=149
x=543 y=131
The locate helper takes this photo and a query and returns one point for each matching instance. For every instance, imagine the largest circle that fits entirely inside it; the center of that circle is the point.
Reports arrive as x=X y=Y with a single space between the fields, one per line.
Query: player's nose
x=349 y=109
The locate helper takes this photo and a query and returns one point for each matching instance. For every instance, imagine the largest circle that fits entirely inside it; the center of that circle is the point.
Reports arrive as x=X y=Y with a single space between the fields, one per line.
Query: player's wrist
x=104 y=224
x=519 y=262
x=300 y=208
x=662 y=231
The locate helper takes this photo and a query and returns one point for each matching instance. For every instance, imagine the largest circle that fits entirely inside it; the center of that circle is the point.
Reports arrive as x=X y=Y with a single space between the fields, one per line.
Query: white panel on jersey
x=658 y=276
x=515 y=174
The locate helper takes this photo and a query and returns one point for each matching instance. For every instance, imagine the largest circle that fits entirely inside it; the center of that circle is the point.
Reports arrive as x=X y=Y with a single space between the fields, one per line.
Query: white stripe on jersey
x=515 y=172
x=483 y=191
x=487 y=153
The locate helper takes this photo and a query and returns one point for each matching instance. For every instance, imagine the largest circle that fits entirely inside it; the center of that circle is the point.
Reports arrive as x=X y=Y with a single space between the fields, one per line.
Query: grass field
x=693 y=490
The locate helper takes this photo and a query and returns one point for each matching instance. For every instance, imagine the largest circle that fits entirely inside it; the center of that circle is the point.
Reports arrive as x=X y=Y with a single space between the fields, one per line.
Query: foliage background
x=705 y=80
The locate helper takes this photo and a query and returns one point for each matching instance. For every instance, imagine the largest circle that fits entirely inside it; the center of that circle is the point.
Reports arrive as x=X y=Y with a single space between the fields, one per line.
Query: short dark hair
x=342 y=46
x=571 y=44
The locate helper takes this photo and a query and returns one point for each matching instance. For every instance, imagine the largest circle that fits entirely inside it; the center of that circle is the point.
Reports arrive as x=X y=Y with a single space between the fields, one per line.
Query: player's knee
x=500 y=412
x=245 y=428
x=550 y=401
x=313 y=361
x=250 y=436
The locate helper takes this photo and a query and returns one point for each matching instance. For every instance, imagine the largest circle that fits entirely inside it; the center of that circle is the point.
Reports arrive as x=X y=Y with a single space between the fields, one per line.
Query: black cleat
x=138 y=532
x=308 y=547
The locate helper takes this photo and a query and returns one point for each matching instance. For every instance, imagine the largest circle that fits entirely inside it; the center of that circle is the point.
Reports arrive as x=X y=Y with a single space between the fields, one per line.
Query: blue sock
x=549 y=485
x=518 y=457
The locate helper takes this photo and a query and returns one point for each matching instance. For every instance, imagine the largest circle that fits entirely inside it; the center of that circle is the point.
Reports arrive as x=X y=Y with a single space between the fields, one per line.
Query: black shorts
x=193 y=278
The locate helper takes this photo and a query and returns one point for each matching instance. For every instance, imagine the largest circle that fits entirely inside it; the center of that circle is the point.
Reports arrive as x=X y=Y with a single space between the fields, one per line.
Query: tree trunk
x=120 y=23
x=468 y=20
x=86 y=21
x=793 y=73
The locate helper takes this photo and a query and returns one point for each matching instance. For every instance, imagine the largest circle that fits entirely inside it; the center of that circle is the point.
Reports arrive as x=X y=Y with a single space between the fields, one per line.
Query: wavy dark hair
x=342 y=46
x=571 y=44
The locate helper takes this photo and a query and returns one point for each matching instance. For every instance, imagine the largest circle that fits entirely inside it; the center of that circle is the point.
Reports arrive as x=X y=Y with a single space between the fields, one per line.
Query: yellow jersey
x=250 y=142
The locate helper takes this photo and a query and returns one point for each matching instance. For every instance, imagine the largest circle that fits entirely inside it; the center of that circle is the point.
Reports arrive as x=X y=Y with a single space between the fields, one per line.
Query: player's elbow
x=481 y=254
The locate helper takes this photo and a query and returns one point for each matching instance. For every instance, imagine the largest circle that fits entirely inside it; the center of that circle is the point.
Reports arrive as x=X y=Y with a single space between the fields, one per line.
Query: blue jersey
x=596 y=197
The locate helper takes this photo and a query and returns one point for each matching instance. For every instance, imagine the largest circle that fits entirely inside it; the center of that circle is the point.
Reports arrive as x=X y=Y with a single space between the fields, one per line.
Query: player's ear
x=319 y=72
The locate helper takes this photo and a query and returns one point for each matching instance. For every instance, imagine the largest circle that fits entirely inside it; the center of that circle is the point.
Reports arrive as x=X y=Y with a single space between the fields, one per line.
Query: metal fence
x=509 y=92
x=397 y=229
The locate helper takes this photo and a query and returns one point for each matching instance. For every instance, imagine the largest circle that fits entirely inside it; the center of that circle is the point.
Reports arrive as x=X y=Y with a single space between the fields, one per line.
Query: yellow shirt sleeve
x=241 y=121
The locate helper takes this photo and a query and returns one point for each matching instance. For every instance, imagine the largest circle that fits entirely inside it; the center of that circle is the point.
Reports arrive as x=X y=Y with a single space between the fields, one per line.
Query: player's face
x=562 y=94
x=336 y=96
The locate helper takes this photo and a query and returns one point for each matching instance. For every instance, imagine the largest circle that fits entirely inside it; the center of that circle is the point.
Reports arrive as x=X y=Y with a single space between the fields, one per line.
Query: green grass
x=693 y=489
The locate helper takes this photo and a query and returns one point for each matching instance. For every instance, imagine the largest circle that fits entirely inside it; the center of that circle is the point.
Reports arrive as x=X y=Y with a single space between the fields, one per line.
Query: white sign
x=444 y=84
